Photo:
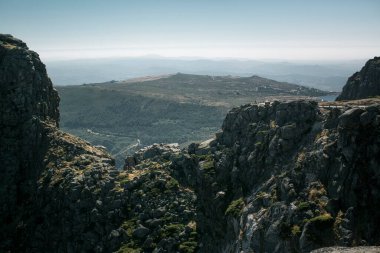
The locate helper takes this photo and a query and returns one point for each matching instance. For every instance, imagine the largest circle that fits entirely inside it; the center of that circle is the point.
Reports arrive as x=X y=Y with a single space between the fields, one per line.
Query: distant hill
x=321 y=75
x=363 y=84
x=181 y=108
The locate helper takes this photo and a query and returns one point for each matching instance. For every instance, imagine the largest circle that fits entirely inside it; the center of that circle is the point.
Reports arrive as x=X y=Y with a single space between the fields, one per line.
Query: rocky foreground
x=280 y=177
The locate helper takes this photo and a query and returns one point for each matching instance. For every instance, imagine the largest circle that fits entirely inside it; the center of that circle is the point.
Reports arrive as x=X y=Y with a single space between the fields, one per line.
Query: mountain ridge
x=328 y=76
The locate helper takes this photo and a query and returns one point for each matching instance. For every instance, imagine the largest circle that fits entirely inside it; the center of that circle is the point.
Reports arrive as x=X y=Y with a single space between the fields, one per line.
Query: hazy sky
x=263 y=29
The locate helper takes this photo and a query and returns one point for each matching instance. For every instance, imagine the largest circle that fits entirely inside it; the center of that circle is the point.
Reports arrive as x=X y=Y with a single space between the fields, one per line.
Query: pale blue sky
x=270 y=29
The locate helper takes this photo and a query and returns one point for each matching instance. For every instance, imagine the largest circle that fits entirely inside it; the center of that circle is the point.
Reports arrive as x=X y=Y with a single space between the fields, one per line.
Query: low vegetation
x=235 y=208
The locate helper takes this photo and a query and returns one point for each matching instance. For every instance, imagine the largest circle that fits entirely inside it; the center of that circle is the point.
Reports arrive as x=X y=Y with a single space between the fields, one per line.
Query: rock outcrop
x=60 y=194
x=290 y=177
x=280 y=177
x=363 y=84
x=27 y=99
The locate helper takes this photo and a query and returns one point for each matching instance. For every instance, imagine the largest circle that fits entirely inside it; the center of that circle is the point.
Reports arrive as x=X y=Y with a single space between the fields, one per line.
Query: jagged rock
x=363 y=84
x=155 y=151
x=289 y=162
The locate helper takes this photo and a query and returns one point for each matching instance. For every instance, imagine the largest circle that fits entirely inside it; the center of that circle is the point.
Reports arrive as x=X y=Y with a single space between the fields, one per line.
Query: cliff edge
x=60 y=194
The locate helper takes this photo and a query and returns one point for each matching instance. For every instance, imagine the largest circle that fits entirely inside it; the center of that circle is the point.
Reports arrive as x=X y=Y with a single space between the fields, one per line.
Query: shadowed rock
x=363 y=84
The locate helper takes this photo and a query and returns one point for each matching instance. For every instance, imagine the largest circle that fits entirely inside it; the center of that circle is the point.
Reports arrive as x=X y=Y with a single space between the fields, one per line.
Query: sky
x=248 y=29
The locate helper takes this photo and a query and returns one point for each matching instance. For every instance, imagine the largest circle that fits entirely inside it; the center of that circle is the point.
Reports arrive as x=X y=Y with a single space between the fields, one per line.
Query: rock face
x=60 y=194
x=363 y=84
x=290 y=177
x=26 y=99
x=280 y=177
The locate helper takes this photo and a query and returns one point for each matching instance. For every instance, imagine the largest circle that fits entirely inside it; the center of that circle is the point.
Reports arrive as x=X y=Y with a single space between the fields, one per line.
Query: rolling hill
x=182 y=108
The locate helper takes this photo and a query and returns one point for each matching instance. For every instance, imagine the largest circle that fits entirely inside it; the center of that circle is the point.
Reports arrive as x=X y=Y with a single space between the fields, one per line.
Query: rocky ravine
x=279 y=177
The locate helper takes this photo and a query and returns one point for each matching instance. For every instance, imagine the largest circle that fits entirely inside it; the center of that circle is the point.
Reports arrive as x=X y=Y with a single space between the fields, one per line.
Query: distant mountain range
x=322 y=75
x=179 y=108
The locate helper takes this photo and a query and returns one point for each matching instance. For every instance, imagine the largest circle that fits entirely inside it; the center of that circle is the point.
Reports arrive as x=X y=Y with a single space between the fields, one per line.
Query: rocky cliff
x=279 y=177
x=27 y=100
x=363 y=84
x=290 y=177
x=60 y=194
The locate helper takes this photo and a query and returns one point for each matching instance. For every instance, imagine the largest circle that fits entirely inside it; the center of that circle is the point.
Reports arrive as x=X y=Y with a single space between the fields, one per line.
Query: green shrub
x=302 y=206
x=172 y=184
x=188 y=247
x=261 y=195
x=324 y=218
x=296 y=230
x=207 y=165
x=171 y=230
x=235 y=208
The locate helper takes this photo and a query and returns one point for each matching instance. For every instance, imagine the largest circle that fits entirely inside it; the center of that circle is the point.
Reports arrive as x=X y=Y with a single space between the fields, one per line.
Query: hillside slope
x=178 y=108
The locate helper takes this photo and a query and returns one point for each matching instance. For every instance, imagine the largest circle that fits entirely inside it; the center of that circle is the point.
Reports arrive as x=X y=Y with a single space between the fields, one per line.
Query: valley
x=124 y=116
